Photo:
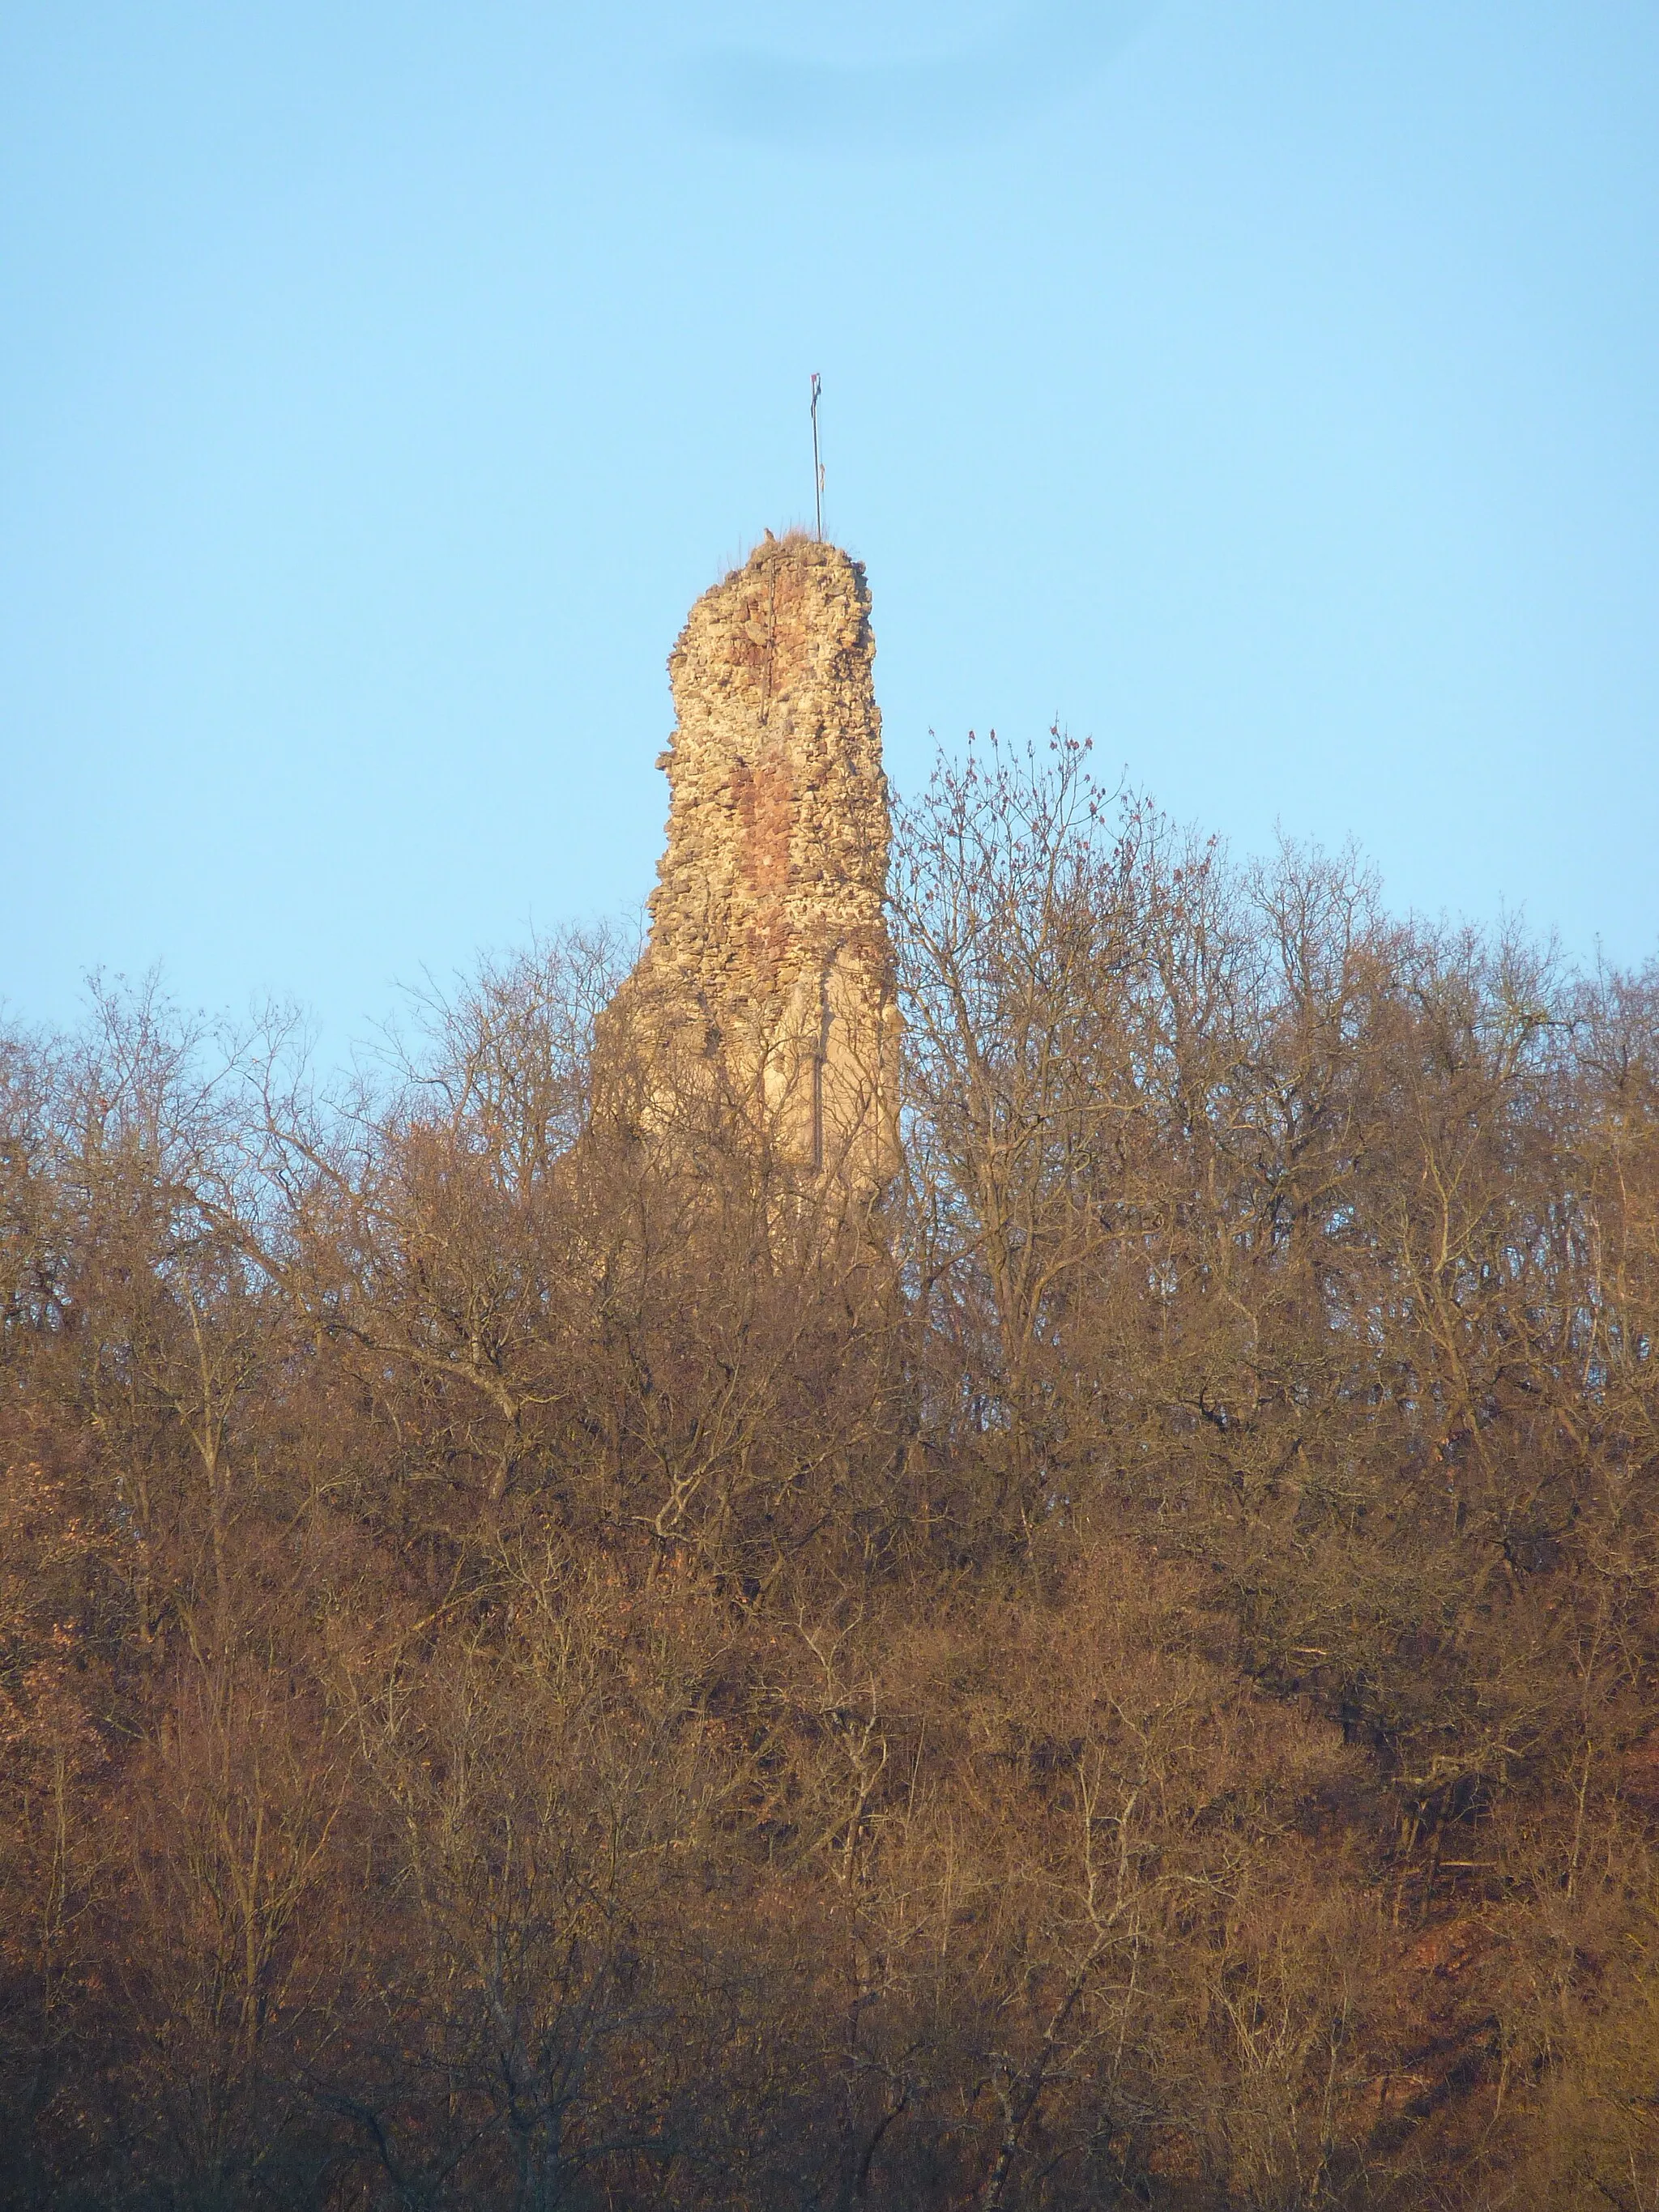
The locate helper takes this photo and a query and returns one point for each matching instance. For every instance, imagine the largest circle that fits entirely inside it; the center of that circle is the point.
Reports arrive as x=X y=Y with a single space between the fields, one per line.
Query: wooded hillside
x=538 y=1670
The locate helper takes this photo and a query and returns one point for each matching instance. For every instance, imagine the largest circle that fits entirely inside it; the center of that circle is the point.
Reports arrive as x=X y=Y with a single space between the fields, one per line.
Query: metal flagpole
x=817 y=465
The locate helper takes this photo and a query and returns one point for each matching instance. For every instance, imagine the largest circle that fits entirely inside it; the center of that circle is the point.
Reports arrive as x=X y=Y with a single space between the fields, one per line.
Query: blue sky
x=1269 y=389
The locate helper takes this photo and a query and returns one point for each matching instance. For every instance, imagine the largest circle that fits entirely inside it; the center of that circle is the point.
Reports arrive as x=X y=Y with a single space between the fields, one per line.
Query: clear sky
x=1267 y=388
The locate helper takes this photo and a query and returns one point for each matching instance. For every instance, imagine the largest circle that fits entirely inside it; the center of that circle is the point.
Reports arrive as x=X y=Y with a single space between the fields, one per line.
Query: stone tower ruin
x=766 y=985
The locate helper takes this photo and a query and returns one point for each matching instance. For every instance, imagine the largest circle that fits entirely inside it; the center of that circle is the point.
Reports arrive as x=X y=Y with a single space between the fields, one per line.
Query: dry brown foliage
x=538 y=1668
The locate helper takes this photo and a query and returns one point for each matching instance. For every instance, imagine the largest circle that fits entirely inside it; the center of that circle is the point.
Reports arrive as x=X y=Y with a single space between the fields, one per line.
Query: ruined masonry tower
x=766 y=982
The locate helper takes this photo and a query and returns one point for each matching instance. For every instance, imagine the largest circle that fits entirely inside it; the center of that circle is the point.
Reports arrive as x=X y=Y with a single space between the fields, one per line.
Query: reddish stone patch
x=765 y=800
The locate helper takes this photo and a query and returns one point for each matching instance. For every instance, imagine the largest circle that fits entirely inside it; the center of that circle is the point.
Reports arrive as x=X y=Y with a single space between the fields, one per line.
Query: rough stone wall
x=768 y=977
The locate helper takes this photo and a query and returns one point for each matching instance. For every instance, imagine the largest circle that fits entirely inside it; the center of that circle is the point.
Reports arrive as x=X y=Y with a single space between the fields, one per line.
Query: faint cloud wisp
x=1049 y=49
